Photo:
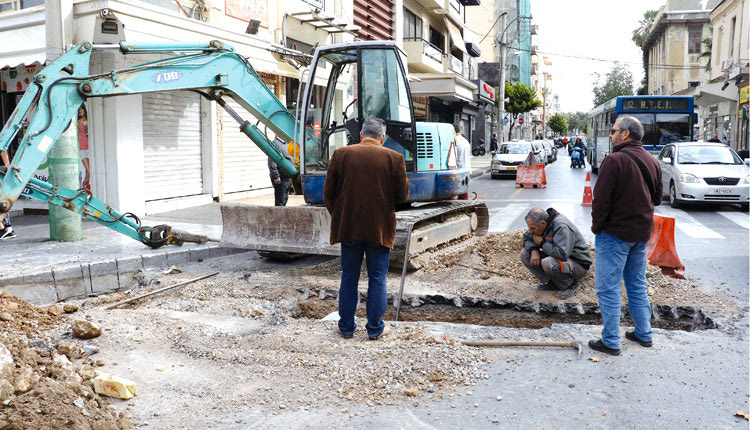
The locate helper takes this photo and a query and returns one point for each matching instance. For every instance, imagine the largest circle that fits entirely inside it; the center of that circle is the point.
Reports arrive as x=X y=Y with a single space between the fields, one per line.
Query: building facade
x=162 y=151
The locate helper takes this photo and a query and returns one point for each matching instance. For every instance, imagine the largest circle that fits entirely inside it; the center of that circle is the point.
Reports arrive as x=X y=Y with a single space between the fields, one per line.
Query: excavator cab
x=364 y=79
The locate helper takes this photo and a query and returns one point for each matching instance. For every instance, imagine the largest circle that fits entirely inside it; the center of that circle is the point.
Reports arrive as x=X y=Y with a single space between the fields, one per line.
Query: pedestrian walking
x=493 y=144
x=364 y=183
x=626 y=191
x=83 y=145
x=554 y=251
x=280 y=180
x=463 y=154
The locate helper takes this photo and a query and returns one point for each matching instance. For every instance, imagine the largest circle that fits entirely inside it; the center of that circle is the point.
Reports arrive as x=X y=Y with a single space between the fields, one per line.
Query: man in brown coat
x=363 y=185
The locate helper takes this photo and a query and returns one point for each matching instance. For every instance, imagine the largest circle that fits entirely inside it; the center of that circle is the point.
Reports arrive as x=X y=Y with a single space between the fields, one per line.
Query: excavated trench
x=491 y=312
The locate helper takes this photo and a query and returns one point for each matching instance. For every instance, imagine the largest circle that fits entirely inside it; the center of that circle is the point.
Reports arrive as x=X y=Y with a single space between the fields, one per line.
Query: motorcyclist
x=582 y=151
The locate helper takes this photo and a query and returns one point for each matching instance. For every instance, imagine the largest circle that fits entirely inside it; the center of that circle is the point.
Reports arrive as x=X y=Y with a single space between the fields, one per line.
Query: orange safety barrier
x=588 y=195
x=660 y=250
x=531 y=176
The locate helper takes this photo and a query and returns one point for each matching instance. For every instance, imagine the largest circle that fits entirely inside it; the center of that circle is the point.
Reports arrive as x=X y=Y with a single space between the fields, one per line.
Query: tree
x=521 y=99
x=639 y=36
x=644 y=27
x=576 y=121
x=619 y=82
x=558 y=124
x=708 y=46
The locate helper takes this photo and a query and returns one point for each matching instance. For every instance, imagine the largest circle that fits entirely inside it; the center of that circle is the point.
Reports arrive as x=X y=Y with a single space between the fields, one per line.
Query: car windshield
x=707 y=155
x=515 y=148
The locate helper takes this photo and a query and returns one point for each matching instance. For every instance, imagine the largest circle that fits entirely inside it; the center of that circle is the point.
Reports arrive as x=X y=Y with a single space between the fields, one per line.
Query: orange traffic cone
x=588 y=196
x=660 y=250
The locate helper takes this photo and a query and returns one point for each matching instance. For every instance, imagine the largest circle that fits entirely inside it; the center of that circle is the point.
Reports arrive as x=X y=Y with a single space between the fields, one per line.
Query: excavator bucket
x=289 y=229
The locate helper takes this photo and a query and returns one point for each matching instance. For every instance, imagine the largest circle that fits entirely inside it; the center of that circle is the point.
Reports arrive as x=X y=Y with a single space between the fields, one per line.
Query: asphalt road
x=711 y=241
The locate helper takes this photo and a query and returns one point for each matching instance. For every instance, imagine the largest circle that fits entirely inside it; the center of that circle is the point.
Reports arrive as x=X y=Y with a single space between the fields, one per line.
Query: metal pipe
x=403 y=269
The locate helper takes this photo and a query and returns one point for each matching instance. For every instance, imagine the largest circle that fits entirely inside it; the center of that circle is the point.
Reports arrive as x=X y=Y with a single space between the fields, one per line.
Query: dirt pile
x=40 y=388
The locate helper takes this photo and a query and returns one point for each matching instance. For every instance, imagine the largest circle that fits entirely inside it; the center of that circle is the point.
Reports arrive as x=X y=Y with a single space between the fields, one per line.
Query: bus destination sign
x=655 y=104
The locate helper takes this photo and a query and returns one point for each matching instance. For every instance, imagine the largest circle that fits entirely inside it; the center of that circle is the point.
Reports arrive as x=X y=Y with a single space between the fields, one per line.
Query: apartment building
x=442 y=52
x=162 y=151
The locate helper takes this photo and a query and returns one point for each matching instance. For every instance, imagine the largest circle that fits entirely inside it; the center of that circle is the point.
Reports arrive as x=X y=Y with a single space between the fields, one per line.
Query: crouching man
x=555 y=252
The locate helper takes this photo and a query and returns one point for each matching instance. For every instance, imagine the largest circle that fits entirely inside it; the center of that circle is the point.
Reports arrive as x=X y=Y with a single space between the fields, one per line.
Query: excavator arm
x=212 y=69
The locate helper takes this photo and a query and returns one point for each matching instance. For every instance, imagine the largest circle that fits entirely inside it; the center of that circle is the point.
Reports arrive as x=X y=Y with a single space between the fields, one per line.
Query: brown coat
x=363 y=185
x=623 y=205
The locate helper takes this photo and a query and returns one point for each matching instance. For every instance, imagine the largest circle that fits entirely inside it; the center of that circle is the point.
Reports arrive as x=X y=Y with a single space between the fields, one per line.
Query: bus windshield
x=662 y=128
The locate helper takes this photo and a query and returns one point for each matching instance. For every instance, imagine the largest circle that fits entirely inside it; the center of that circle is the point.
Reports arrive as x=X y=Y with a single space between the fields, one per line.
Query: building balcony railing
x=423 y=56
x=455 y=65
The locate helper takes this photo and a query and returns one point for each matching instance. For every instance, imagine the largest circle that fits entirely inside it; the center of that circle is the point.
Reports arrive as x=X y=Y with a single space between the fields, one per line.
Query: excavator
x=345 y=84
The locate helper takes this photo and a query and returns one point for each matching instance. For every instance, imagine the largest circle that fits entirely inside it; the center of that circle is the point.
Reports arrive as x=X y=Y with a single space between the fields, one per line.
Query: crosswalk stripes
x=503 y=219
x=689 y=225
x=740 y=218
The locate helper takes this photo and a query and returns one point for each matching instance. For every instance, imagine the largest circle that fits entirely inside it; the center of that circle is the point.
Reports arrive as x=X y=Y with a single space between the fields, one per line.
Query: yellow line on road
x=513 y=196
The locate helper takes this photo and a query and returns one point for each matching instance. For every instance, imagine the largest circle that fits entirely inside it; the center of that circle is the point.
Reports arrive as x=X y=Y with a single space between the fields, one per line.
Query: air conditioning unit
x=727 y=64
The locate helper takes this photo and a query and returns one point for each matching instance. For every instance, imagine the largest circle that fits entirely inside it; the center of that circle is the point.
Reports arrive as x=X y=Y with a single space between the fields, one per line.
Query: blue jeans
x=617 y=260
x=378 y=257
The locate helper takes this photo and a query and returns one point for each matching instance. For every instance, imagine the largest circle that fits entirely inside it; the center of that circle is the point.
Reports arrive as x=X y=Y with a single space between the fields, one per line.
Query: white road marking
x=740 y=218
x=689 y=225
x=566 y=209
x=502 y=220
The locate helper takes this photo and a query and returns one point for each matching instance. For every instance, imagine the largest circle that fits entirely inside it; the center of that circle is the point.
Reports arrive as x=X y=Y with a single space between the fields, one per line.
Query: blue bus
x=665 y=119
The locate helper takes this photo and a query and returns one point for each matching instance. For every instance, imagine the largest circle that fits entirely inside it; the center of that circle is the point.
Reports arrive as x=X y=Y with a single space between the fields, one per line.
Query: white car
x=512 y=154
x=704 y=172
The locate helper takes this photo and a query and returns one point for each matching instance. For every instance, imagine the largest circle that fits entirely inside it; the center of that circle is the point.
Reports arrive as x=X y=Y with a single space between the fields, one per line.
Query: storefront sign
x=744 y=93
x=486 y=91
x=421 y=106
x=18 y=79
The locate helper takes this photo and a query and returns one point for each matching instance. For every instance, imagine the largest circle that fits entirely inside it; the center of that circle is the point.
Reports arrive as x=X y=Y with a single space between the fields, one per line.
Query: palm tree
x=644 y=27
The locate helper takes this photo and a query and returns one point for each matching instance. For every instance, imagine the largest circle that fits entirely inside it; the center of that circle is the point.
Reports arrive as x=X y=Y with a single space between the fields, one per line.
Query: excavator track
x=283 y=233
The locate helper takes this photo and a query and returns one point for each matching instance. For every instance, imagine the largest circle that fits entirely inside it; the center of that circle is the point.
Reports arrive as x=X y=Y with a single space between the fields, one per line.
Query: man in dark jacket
x=493 y=144
x=363 y=184
x=626 y=191
x=554 y=251
x=280 y=180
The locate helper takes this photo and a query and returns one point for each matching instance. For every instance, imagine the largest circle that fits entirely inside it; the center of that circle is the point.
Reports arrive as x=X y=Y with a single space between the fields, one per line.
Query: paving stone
x=178 y=257
x=69 y=282
x=199 y=254
x=129 y=264
x=155 y=261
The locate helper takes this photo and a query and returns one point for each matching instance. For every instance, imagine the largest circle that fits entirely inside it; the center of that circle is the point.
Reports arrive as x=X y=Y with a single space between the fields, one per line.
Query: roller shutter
x=375 y=19
x=172 y=145
x=245 y=166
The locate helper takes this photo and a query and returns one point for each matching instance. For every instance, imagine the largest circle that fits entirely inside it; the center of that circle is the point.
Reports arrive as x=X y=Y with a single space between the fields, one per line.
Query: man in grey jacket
x=555 y=252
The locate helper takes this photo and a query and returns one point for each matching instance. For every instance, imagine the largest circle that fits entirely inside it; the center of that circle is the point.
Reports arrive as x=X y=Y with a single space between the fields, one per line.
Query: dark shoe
x=597 y=345
x=549 y=286
x=346 y=336
x=568 y=292
x=386 y=331
x=631 y=336
x=7 y=233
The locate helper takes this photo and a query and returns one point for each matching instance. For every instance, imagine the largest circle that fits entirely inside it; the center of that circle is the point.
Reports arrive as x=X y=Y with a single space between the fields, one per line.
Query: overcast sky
x=587 y=28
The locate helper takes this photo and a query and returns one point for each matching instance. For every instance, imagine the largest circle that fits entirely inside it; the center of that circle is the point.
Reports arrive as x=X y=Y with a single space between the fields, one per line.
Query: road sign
x=520 y=120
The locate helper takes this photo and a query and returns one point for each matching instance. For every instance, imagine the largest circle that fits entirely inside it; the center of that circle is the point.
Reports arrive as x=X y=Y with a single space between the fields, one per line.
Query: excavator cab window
x=362 y=82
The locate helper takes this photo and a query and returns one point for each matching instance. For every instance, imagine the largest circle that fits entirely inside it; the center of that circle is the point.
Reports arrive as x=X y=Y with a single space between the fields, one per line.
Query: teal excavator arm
x=212 y=68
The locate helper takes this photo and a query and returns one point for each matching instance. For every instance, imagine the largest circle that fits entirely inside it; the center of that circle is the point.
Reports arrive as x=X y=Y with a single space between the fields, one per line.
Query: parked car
x=551 y=151
x=512 y=154
x=539 y=146
x=704 y=172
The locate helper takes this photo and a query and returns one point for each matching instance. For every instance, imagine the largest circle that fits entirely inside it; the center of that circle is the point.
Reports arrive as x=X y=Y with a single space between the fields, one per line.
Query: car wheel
x=673 y=200
x=745 y=206
x=482 y=151
x=475 y=152
x=494 y=176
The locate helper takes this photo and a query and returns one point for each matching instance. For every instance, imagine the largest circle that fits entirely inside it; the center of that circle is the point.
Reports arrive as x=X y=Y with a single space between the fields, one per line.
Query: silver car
x=704 y=172
x=512 y=154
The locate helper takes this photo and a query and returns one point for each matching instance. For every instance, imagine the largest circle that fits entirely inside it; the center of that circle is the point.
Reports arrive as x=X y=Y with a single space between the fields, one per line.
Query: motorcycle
x=577 y=158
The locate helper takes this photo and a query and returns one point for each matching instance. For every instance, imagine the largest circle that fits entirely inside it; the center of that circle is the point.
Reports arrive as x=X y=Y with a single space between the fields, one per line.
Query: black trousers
x=6 y=221
x=281 y=191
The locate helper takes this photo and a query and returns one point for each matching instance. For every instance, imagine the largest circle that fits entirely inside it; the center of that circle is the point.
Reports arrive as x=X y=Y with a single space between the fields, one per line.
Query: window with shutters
x=695 y=31
x=375 y=19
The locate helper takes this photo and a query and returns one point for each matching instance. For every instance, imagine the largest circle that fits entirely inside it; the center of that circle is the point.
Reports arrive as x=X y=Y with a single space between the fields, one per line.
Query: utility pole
x=501 y=95
x=64 y=225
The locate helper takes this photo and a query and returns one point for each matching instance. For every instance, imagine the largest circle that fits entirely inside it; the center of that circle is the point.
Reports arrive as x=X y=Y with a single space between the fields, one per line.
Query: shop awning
x=23 y=46
x=455 y=33
x=711 y=94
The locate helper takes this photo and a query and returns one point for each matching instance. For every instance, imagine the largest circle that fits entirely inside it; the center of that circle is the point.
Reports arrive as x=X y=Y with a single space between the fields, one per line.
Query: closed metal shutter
x=375 y=19
x=172 y=145
x=245 y=165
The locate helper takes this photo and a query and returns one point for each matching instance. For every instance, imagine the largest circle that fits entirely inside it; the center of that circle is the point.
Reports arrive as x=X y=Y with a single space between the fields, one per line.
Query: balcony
x=423 y=56
x=431 y=4
x=455 y=65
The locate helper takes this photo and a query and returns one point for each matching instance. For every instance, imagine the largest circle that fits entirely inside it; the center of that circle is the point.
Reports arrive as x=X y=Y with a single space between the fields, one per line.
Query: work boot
x=548 y=286
x=631 y=336
x=568 y=292
x=7 y=233
x=386 y=331
x=597 y=345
